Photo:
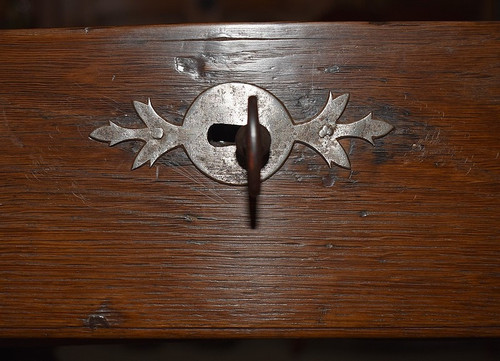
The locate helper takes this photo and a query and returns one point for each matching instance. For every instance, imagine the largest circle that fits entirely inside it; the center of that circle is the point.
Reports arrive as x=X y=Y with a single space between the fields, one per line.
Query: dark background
x=93 y=13
x=75 y=13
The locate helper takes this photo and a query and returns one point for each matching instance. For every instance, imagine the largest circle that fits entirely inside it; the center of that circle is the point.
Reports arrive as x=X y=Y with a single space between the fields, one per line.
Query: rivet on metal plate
x=241 y=134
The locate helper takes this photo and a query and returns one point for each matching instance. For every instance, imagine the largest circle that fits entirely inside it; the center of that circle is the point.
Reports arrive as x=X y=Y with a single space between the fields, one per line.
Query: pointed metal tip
x=344 y=98
x=93 y=134
x=387 y=128
x=345 y=95
x=342 y=162
x=346 y=165
x=100 y=134
x=137 y=164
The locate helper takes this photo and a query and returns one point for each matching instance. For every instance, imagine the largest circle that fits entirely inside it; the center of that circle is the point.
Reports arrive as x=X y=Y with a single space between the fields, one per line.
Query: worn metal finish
x=252 y=147
x=253 y=143
x=227 y=104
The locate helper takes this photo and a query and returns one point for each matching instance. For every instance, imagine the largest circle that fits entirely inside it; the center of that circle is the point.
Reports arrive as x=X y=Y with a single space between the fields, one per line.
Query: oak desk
x=405 y=243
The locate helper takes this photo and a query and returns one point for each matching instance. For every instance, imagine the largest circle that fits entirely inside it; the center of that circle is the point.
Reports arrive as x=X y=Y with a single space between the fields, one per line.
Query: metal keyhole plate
x=227 y=104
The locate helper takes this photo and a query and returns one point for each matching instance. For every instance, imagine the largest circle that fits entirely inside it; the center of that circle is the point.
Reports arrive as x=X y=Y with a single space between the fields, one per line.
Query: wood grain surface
x=406 y=243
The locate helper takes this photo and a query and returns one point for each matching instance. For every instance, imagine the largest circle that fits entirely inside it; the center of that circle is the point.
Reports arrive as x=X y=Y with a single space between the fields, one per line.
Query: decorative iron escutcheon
x=241 y=134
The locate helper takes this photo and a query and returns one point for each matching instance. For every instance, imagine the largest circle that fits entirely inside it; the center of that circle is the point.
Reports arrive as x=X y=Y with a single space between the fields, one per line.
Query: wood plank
x=404 y=244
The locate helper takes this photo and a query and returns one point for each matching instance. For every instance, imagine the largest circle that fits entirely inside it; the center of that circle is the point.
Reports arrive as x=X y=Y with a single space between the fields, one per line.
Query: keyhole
x=222 y=135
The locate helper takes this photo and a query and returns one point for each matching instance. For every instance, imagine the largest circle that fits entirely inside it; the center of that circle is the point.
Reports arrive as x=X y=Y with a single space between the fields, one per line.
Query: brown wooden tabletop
x=405 y=243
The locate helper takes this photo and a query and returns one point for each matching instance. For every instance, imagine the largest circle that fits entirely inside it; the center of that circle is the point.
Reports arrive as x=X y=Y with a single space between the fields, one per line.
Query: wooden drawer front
x=406 y=243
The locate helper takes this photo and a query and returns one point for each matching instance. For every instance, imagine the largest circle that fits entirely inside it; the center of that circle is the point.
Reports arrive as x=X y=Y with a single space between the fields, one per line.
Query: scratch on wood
x=329 y=180
x=351 y=173
x=34 y=175
x=312 y=73
x=351 y=147
x=113 y=103
x=14 y=139
x=79 y=132
x=177 y=168
x=81 y=197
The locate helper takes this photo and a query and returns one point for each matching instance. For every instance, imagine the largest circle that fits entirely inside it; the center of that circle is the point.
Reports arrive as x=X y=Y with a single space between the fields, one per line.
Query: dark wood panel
x=404 y=244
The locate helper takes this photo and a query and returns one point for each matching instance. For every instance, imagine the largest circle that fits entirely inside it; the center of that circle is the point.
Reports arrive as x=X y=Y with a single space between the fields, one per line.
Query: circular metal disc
x=227 y=104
